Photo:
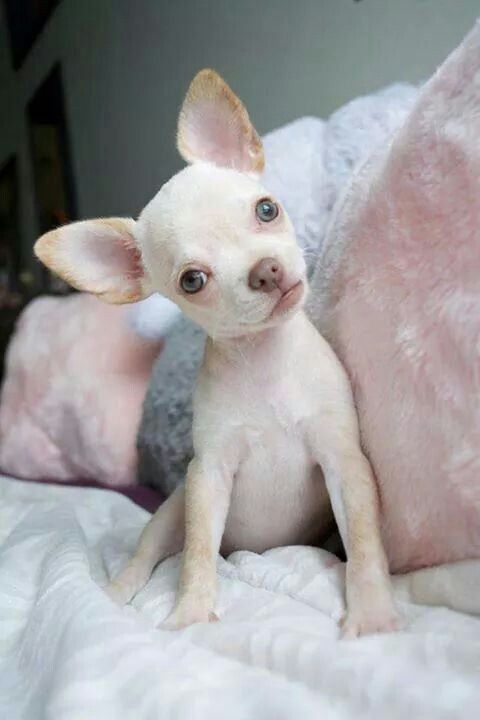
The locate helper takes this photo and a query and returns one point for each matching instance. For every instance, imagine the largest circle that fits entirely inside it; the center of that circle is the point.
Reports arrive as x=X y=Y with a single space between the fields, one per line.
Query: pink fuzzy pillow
x=71 y=401
x=397 y=291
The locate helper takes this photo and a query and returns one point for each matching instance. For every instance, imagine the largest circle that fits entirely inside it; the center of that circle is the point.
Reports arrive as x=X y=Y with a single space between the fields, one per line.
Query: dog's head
x=213 y=240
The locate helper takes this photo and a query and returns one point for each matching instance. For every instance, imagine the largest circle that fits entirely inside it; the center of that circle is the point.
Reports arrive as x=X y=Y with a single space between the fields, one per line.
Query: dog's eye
x=192 y=281
x=266 y=210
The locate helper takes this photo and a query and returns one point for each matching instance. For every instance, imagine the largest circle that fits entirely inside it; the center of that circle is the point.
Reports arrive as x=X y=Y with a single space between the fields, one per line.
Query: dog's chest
x=279 y=495
x=273 y=405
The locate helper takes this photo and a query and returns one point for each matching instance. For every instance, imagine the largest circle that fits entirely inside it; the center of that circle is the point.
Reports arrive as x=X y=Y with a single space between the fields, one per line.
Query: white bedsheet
x=68 y=652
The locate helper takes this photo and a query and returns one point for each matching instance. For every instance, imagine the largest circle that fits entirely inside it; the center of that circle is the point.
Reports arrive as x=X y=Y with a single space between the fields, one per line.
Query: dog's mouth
x=289 y=299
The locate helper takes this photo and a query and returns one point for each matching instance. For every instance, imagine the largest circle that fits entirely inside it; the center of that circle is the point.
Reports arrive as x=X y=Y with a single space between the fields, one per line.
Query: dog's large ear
x=97 y=256
x=214 y=126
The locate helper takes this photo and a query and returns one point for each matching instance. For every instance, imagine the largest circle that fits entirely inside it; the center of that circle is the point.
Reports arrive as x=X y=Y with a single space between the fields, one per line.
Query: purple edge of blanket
x=141 y=495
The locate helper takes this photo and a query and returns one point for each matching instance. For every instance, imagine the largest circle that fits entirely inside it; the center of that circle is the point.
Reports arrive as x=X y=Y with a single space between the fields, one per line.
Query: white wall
x=126 y=65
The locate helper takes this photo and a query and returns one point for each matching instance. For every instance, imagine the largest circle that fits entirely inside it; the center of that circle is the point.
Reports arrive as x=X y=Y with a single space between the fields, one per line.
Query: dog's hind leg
x=163 y=536
x=454 y=585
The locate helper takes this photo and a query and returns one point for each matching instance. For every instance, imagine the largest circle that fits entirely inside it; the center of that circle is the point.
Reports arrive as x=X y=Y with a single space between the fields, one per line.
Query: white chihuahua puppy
x=274 y=419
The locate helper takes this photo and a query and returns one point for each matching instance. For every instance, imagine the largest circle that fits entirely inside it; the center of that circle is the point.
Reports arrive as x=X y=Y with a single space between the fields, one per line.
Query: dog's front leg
x=355 y=503
x=207 y=498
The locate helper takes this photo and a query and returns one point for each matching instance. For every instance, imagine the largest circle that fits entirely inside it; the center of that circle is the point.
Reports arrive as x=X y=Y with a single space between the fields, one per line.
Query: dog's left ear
x=214 y=127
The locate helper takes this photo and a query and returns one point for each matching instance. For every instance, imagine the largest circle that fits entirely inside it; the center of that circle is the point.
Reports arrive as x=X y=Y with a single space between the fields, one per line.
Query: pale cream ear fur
x=214 y=126
x=97 y=256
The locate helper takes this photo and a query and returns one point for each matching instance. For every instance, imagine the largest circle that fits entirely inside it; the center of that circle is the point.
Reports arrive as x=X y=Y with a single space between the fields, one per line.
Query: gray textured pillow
x=164 y=437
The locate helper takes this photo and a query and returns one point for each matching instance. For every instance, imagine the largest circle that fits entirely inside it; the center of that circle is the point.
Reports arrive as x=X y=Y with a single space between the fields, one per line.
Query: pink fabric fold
x=75 y=381
x=397 y=291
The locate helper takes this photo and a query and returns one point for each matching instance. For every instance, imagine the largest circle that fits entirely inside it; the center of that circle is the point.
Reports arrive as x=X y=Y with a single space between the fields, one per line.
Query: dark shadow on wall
x=51 y=159
x=25 y=21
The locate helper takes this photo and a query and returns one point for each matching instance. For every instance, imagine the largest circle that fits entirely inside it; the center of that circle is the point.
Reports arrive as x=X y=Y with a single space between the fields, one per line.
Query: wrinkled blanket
x=67 y=652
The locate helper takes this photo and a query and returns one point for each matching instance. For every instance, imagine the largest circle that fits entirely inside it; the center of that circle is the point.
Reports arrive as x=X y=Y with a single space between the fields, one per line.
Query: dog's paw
x=368 y=621
x=188 y=613
x=126 y=585
x=119 y=593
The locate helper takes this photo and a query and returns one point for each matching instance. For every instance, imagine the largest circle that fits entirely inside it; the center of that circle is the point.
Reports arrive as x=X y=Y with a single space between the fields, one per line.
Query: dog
x=275 y=428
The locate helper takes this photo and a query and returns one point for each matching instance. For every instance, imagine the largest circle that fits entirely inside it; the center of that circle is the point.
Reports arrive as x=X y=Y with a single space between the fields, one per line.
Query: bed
x=67 y=652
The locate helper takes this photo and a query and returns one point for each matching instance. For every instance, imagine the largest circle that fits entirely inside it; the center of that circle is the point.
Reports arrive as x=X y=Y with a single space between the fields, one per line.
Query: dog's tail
x=162 y=537
x=454 y=585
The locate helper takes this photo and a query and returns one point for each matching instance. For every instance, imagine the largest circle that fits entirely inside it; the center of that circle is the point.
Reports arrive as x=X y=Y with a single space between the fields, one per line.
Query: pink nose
x=266 y=275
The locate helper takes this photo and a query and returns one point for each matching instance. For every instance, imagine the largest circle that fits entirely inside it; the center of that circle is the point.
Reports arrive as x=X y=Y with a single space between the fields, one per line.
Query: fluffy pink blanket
x=72 y=397
x=397 y=291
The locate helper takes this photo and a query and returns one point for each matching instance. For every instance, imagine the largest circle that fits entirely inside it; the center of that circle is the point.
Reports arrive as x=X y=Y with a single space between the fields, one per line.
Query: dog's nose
x=266 y=275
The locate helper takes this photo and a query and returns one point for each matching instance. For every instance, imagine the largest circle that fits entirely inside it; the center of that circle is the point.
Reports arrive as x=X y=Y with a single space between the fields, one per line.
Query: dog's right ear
x=97 y=256
x=214 y=127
